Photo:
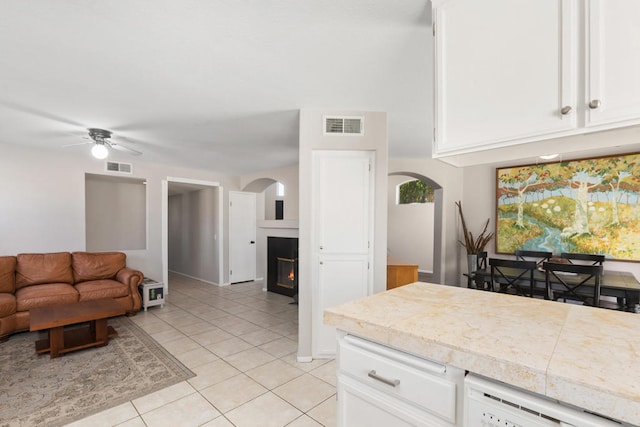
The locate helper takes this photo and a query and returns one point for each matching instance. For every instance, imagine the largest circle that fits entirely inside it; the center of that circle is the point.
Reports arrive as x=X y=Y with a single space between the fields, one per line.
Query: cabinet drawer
x=420 y=382
x=362 y=405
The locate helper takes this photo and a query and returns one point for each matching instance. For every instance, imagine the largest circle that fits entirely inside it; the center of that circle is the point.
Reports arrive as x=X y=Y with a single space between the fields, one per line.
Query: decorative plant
x=471 y=244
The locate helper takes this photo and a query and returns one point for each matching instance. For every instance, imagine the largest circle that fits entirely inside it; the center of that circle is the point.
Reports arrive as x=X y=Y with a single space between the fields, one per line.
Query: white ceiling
x=211 y=84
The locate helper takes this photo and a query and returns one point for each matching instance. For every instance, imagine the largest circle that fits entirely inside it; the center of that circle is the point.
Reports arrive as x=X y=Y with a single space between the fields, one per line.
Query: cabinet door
x=613 y=51
x=342 y=230
x=341 y=278
x=504 y=71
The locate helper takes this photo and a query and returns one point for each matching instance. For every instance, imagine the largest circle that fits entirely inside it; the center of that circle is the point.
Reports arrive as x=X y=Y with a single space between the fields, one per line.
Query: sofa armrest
x=132 y=278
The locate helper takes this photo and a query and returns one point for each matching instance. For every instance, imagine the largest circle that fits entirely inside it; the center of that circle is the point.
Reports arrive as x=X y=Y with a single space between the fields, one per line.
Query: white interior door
x=342 y=240
x=242 y=236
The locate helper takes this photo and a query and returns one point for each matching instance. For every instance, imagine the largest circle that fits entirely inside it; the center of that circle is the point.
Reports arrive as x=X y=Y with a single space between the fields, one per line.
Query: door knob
x=252 y=242
x=565 y=110
x=595 y=103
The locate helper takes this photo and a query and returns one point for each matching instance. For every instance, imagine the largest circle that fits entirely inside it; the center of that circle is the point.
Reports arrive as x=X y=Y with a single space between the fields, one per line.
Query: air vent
x=119 y=167
x=343 y=125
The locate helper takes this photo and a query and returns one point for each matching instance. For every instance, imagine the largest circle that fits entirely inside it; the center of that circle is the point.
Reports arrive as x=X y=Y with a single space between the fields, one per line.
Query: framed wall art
x=580 y=206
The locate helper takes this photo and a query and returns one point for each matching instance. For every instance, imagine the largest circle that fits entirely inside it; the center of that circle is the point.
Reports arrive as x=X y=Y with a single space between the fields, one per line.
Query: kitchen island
x=583 y=356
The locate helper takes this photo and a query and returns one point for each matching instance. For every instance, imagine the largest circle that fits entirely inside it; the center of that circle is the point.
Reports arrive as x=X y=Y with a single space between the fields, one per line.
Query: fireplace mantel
x=271 y=228
x=287 y=223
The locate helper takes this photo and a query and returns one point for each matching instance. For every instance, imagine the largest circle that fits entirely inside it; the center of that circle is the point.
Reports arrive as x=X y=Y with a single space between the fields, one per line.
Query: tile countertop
x=588 y=357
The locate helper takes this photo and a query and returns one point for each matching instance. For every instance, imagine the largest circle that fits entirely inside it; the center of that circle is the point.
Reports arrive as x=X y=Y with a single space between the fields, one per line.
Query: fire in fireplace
x=287 y=272
x=282 y=265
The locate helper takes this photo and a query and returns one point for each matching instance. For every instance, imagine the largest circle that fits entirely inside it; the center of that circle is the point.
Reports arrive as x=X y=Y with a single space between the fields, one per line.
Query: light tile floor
x=241 y=343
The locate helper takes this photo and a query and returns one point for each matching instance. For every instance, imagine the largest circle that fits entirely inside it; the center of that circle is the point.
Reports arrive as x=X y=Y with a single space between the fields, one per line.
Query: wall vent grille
x=343 y=125
x=119 y=167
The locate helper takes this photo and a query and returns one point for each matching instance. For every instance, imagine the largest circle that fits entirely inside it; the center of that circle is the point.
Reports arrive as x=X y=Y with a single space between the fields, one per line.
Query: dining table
x=622 y=285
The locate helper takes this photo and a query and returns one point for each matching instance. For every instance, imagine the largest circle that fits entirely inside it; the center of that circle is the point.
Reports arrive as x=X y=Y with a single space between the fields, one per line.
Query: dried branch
x=477 y=245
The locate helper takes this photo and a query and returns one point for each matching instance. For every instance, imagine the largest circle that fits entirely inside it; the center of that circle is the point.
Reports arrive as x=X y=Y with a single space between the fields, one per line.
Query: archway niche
x=435 y=227
x=269 y=193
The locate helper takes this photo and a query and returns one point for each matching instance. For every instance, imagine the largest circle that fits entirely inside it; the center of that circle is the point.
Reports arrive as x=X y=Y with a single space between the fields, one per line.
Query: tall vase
x=472 y=263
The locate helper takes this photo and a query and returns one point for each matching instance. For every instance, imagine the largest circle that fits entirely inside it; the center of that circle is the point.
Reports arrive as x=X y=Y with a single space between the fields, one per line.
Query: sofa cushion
x=45 y=295
x=36 y=269
x=7 y=274
x=7 y=304
x=96 y=289
x=97 y=265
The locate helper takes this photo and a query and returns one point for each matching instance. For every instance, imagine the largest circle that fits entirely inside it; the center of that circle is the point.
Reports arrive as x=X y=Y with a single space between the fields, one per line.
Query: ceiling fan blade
x=77 y=143
x=125 y=149
x=39 y=113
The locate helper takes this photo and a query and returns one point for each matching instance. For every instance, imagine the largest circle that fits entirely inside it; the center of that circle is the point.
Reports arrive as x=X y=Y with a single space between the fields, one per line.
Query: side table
x=152 y=293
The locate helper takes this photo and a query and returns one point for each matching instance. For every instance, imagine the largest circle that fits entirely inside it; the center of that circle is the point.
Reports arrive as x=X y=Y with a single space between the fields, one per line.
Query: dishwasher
x=492 y=404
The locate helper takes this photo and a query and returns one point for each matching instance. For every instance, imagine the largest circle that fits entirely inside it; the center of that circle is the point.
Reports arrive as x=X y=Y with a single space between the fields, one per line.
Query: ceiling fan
x=102 y=143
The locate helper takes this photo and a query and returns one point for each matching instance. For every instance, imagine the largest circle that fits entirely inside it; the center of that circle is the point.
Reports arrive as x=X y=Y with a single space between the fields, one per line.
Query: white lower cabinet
x=382 y=386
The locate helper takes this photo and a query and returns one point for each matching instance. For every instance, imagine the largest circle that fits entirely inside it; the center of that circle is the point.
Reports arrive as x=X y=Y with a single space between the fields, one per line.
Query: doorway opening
x=412 y=226
x=192 y=231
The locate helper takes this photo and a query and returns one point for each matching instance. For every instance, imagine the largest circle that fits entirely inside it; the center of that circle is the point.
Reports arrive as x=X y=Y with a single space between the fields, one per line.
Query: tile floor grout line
x=248 y=311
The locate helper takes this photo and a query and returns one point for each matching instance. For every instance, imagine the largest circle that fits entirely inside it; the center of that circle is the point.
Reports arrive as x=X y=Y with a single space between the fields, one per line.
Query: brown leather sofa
x=36 y=280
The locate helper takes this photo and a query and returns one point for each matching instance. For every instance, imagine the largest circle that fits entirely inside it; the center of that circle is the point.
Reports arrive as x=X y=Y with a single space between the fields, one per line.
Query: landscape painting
x=582 y=206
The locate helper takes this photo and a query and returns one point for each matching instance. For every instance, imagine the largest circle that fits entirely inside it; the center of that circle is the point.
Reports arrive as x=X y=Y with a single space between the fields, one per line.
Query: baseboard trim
x=195 y=278
x=304 y=359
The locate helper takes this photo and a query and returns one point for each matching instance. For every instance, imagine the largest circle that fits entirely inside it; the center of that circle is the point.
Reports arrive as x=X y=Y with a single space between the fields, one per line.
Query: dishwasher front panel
x=492 y=404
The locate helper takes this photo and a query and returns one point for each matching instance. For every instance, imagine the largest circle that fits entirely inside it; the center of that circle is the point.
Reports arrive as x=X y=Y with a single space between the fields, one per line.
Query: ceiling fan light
x=99 y=151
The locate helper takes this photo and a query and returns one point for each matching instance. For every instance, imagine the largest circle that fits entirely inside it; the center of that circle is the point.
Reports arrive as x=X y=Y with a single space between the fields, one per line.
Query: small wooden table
x=55 y=318
x=400 y=272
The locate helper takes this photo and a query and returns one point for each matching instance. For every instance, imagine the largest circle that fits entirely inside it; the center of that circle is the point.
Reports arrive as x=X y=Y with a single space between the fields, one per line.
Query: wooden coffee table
x=55 y=318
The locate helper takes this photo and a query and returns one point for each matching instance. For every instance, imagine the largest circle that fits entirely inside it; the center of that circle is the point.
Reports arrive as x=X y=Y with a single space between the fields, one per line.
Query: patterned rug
x=36 y=390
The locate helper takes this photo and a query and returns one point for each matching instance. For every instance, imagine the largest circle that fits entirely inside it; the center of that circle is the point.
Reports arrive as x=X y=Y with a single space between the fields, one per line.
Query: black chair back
x=574 y=282
x=539 y=257
x=587 y=258
x=512 y=274
x=481 y=261
x=481 y=281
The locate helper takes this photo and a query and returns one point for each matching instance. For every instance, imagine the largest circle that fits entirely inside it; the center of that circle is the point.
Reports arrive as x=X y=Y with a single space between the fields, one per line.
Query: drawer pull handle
x=392 y=383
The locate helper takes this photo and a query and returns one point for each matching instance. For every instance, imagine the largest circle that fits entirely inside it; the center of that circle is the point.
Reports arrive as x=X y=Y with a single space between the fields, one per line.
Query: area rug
x=36 y=390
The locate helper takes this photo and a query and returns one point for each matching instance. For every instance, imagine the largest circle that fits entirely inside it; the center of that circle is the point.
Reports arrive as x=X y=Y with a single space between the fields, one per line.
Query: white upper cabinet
x=613 y=55
x=515 y=71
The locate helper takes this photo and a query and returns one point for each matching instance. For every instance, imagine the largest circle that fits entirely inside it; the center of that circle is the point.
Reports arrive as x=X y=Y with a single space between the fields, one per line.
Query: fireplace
x=287 y=270
x=282 y=265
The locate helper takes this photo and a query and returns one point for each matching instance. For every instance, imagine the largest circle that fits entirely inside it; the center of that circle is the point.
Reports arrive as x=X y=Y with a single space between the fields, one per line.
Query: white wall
x=311 y=138
x=270 y=197
x=192 y=242
x=451 y=180
x=43 y=201
x=410 y=228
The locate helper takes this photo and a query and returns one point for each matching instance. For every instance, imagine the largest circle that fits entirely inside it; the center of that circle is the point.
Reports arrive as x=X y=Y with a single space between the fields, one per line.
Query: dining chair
x=480 y=282
x=509 y=274
x=573 y=282
x=585 y=258
x=538 y=256
x=613 y=303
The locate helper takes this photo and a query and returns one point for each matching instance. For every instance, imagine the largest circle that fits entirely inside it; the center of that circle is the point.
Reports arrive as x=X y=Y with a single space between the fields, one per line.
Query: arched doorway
x=416 y=228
